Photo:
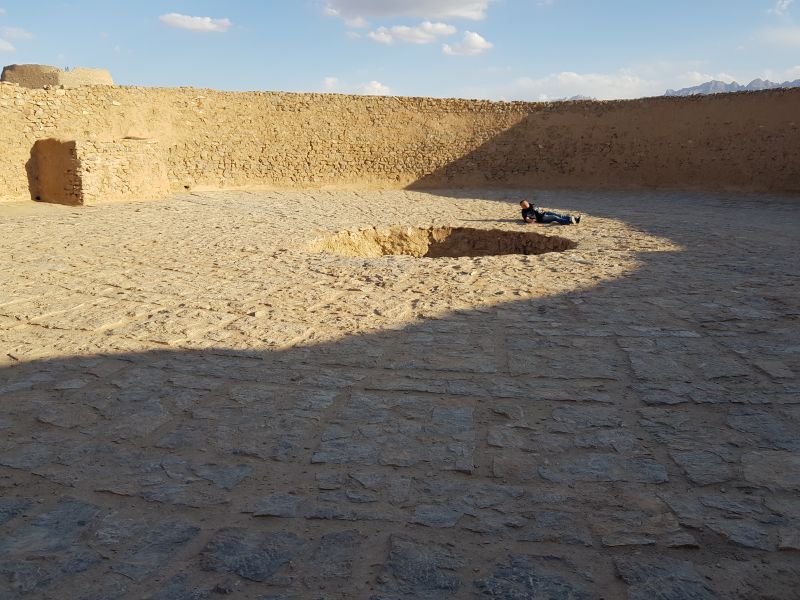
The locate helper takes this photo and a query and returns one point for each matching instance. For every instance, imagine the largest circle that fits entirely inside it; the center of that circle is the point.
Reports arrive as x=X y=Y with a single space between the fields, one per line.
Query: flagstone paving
x=196 y=402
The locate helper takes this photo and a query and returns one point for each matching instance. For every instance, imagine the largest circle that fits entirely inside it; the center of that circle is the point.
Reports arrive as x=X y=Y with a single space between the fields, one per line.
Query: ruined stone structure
x=90 y=171
x=216 y=140
x=37 y=76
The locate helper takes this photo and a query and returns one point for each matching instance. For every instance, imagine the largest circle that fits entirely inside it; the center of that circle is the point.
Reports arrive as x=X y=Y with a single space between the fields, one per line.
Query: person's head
x=524 y=204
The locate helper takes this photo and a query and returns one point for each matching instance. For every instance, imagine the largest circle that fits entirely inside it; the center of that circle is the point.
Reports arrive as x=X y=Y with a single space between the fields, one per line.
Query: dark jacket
x=532 y=213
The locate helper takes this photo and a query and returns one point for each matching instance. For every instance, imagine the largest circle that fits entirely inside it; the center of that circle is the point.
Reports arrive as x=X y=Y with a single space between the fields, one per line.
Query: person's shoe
x=573 y=221
x=577 y=220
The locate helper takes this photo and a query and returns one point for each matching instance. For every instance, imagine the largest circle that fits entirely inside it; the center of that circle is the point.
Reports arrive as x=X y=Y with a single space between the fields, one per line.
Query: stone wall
x=214 y=139
x=91 y=172
x=37 y=76
x=128 y=169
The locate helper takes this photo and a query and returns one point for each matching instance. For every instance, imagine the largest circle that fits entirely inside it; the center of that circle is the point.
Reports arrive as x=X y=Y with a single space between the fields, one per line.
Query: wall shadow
x=52 y=172
x=706 y=143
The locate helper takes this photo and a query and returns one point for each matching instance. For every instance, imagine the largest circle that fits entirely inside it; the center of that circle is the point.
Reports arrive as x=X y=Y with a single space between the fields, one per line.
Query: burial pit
x=439 y=242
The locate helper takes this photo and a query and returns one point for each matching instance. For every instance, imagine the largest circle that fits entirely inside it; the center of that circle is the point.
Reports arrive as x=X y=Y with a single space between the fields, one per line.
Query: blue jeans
x=551 y=217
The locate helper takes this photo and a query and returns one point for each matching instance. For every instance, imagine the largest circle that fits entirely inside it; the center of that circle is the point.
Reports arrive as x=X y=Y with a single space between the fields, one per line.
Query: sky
x=494 y=49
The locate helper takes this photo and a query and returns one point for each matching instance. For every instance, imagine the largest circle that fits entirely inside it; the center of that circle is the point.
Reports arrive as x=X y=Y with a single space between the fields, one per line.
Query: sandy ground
x=195 y=402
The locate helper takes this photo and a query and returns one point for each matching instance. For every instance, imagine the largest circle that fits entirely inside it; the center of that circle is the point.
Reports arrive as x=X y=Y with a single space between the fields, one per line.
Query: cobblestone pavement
x=194 y=404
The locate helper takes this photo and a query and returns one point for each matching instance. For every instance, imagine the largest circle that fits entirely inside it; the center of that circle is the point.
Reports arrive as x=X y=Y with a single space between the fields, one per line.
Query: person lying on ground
x=532 y=214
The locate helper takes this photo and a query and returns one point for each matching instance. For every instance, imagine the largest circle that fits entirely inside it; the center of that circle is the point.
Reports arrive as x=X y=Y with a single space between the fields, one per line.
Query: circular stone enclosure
x=439 y=242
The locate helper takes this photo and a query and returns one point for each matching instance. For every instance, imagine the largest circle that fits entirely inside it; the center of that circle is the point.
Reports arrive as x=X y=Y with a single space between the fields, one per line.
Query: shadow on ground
x=641 y=435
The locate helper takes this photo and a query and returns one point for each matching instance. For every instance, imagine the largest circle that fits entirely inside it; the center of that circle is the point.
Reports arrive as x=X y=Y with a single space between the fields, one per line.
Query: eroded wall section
x=128 y=169
x=213 y=139
x=37 y=76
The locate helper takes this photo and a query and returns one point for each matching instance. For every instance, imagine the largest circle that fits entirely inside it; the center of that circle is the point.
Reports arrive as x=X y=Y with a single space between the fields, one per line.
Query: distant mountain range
x=720 y=87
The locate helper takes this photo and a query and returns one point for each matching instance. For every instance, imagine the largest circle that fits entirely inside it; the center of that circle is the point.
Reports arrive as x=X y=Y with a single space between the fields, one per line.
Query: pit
x=439 y=242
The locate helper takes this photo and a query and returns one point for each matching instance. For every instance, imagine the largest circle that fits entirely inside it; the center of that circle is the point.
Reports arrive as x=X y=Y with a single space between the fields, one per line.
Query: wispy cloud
x=11 y=33
x=698 y=77
x=15 y=33
x=356 y=22
x=650 y=79
x=375 y=88
x=420 y=9
x=471 y=45
x=424 y=33
x=370 y=88
x=780 y=8
x=623 y=84
x=198 y=24
x=790 y=74
x=566 y=84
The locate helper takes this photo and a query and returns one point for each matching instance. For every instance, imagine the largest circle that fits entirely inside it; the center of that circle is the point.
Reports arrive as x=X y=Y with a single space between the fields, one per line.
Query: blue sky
x=497 y=49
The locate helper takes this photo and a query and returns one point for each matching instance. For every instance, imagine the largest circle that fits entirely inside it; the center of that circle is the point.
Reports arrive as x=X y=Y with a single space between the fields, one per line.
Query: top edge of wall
x=6 y=86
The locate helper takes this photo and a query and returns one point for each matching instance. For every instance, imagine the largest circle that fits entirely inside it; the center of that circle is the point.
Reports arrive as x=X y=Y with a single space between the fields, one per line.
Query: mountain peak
x=720 y=87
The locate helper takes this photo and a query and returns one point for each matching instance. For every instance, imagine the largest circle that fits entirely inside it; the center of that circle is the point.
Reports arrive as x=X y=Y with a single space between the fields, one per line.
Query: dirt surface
x=195 y=401
x=439 y=242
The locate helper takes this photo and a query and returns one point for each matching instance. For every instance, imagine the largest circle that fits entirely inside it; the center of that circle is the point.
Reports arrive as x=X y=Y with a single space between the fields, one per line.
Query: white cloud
x=374 y=88
x=15 y=33
x=782 y=36
x=356 y=22
x=650 y=79
x=370 y=88
x=790 y=74
x=421 y=9
x=381 y=35
x=6 y=46
x=696 y=78
x=200 y=24
x=780 y=8
x=424 y=33
x=470 y=45
x=622 y=84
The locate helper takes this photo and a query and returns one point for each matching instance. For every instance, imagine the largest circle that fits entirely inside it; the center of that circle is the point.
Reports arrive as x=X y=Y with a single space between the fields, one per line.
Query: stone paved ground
x=194 y=404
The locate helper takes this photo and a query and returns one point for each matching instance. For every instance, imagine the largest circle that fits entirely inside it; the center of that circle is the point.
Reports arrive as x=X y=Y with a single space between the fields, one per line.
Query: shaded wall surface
x=36 y=76
x=216 y=139
x=54 y=172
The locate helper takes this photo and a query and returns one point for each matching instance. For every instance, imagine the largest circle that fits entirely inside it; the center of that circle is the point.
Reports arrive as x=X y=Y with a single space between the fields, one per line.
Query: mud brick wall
x=37 y=76
x=212 y=139
x=128 y=169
